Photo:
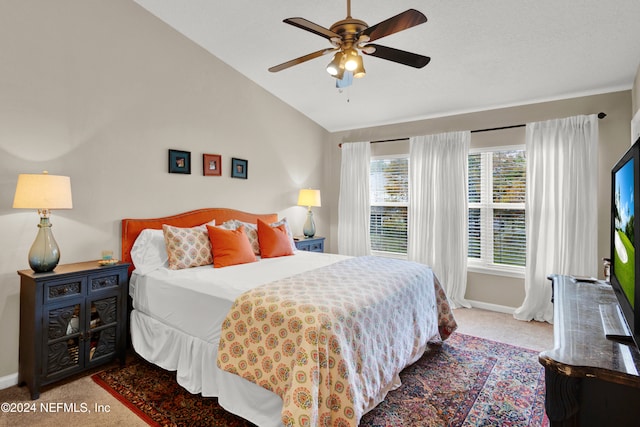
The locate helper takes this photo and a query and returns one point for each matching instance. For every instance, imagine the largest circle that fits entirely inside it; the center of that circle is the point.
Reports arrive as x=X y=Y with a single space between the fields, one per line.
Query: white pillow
x=149 y=251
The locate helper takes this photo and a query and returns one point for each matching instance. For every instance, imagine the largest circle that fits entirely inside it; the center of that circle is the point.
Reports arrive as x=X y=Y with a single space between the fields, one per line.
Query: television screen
x=624 y=234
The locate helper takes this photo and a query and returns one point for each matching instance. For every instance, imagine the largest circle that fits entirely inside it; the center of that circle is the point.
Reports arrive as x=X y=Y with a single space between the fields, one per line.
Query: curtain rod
x=601 y=115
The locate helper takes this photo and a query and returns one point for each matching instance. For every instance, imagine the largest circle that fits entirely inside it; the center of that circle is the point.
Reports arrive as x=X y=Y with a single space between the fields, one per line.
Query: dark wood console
x=71 y=319
x=590 y=380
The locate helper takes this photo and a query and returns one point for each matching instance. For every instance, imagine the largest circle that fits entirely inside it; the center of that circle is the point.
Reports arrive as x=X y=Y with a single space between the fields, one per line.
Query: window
x=497 y=182
x=389 y=198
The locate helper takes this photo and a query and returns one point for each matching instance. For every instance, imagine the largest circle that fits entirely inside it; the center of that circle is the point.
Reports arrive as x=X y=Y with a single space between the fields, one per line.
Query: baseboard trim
x=492 y=307
x=8 y=381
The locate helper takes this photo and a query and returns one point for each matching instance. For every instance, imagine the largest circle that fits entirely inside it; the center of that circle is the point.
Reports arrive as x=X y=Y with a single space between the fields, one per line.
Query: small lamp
x=43 y=192
x=308 y=197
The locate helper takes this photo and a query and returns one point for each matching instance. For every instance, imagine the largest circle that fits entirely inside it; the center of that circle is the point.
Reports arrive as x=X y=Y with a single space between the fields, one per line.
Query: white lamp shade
x=43 y=191
x=309 y=197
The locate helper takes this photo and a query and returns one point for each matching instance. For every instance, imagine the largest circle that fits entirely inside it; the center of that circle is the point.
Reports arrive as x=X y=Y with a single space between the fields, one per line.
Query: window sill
x=395 y=255
x=517 y=272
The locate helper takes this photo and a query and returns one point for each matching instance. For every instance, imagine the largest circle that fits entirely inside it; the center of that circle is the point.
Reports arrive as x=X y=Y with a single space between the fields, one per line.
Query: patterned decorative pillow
x=187 y=247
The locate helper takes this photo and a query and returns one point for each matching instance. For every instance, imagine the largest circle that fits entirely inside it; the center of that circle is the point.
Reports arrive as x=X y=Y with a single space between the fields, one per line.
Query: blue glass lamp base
x=309 y=228
x=44 y=254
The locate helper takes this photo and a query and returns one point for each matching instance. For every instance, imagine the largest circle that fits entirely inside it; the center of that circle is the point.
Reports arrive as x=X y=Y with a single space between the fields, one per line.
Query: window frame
x=484 y=264
x=387 y=254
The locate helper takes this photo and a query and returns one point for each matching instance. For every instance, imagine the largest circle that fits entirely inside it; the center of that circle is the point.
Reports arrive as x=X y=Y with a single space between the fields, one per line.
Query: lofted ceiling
x=484 y=54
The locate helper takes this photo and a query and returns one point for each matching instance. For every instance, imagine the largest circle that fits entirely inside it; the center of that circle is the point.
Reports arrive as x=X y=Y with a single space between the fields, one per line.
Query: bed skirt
x=194 y=362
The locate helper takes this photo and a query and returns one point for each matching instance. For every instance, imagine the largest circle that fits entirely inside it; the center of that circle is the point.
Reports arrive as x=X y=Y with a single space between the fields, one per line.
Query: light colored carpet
x=486 y=324
x=504 y=328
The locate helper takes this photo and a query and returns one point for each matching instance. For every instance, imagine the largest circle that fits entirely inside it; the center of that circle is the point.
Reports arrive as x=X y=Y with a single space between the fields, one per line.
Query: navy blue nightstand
x=311 y=244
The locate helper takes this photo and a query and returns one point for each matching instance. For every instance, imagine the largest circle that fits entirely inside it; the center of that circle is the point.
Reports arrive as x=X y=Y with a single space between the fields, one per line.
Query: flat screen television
x=625 y=239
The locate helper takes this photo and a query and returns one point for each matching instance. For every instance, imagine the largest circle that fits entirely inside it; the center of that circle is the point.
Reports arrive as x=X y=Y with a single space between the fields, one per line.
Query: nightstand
x=71 y=319
x=311 y=244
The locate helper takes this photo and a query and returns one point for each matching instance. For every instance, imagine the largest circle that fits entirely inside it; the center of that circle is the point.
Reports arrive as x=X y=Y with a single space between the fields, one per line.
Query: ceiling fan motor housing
x=348 y=29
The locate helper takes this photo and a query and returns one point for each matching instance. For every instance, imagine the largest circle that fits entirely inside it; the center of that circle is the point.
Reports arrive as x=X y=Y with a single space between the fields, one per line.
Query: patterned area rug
x=466 y=381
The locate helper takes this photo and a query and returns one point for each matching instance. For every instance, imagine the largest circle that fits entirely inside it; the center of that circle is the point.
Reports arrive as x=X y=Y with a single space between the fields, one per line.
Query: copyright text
x=53 y=407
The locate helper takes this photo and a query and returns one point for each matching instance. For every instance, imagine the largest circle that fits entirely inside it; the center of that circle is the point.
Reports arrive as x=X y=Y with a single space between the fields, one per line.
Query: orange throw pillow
x=230 y=247
x=273 y=241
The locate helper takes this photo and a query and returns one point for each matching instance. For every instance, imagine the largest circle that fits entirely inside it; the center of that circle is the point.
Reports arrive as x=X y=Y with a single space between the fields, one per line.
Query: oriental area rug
x=465 y=381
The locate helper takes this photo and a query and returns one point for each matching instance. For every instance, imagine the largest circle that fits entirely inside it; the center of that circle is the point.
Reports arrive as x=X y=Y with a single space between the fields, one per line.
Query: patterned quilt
x=332 y=341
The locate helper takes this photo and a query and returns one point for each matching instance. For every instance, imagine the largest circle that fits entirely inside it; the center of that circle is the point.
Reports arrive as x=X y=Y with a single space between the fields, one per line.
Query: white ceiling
x=484 y=54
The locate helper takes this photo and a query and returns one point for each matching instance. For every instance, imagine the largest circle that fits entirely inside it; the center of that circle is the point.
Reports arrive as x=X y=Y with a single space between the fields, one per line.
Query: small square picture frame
x=211 y=164
x=239 y=168
x=179 y=161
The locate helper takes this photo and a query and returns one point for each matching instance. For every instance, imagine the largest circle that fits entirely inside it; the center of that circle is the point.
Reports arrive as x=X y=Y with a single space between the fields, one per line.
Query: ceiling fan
x=351 y=36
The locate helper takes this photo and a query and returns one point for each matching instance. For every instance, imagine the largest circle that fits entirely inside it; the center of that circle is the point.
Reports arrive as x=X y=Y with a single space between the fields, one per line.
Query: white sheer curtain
x=561 y=207
x=353 y=203
x=438 y=211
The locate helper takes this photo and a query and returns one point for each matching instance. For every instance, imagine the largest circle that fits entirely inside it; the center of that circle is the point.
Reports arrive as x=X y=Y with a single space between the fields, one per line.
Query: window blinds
x=389 y=195
x=497 y=186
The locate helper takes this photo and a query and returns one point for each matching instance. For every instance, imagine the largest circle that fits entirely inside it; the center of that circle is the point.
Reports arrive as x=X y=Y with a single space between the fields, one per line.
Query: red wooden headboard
x=131 y=228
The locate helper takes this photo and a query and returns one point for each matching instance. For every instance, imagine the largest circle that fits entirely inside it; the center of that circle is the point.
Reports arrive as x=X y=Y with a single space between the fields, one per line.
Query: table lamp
x=308 y=197
x=43 y=192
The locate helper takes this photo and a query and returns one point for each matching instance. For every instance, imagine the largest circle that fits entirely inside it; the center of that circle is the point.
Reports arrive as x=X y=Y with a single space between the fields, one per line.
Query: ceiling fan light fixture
x=359 y=71
x=335 y=65
x=352 y=60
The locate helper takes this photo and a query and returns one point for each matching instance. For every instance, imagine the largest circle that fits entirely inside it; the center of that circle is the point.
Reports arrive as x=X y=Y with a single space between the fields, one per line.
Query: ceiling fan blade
x=402 y=21
x=397 y=55
x=311 y=27
x=301 y=59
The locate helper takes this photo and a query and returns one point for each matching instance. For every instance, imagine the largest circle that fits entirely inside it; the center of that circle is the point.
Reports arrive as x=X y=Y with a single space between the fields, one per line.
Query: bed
x=303 y=339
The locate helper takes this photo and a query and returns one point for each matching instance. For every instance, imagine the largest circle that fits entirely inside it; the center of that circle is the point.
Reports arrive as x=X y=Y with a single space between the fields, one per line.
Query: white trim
x=390 y=156
x=517 y=147
x=391 y=204
x=491 y=307
x=635 y=127
x=8 y=381
x=396 y=255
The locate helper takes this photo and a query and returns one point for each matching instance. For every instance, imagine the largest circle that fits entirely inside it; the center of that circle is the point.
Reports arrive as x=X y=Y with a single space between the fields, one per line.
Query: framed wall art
x=211 y=164
x=179 y=161
x=239 y=168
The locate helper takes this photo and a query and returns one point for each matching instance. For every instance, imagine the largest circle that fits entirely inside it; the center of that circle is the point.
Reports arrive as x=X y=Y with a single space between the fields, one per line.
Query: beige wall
x=614 y=141
x=636 y=93
x=99 y=90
